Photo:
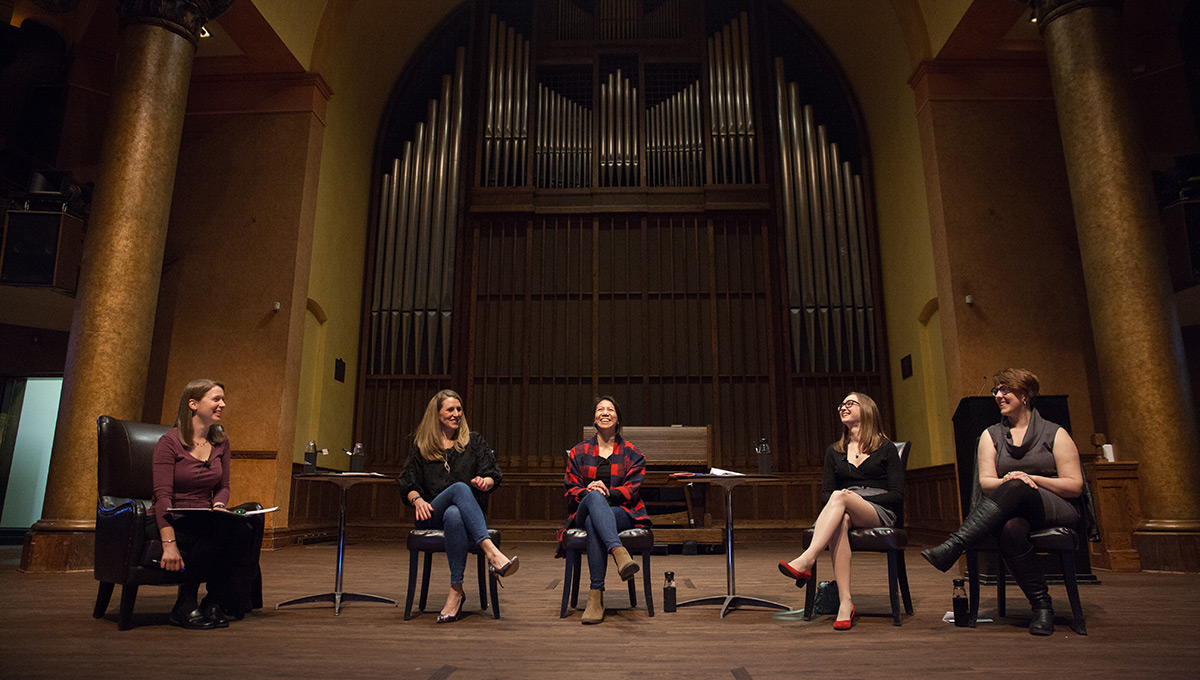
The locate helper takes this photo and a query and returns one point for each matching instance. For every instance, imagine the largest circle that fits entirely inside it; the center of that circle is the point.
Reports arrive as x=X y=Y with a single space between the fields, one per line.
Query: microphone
x=982 y=387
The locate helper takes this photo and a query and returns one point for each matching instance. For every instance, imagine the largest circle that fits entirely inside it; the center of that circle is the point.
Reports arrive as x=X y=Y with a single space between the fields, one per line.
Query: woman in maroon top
x=191 y=470
x=603 y=482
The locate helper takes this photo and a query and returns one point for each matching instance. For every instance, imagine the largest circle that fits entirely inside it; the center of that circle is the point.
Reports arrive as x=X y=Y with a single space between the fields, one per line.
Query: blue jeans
x=457 y=514
x=602 y=522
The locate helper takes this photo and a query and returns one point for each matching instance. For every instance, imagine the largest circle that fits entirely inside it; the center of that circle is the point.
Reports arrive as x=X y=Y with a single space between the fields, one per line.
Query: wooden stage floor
x=1140 y=625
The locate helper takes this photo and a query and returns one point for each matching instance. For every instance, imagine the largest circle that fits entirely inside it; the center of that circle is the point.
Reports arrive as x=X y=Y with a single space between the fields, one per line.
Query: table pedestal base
x=728 y=602
x=337 y=599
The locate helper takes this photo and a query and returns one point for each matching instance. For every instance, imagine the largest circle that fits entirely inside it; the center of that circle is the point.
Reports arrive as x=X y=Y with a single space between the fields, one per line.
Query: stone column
x=113 y=321
x=1134 y=321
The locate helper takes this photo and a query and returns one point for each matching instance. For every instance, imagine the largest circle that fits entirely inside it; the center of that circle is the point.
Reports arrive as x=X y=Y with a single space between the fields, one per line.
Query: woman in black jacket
x=448 y=472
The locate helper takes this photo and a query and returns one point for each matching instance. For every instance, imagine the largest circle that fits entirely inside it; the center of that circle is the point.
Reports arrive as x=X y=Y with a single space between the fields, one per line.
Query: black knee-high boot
x=985 y=519
x=1029 y=577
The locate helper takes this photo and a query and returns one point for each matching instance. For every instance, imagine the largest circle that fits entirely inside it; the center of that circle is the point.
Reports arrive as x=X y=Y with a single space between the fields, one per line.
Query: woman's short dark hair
x=1021 y=381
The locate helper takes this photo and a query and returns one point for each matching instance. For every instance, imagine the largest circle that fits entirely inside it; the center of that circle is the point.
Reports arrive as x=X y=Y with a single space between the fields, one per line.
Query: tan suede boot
x=626 y=567
x=594 y=613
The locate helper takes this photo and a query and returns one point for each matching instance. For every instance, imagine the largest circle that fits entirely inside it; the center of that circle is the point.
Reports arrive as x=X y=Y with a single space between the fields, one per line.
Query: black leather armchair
x=127 y=545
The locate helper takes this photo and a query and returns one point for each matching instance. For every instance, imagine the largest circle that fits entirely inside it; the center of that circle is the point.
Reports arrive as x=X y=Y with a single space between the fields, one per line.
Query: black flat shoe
x=509 y=567
x=193 y=620
x=214 y=613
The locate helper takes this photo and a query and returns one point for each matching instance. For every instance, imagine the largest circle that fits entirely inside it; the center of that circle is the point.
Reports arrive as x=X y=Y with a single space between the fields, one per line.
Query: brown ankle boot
x=595 y=607
x=626 y=567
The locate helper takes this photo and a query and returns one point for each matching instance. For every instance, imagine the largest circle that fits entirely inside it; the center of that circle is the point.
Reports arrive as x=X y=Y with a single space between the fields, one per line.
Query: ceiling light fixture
x=204 y=32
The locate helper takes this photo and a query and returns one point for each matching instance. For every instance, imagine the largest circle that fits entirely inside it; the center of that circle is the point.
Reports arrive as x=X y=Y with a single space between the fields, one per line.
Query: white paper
x=241 y=513
x=725 y=473
x=949 y=617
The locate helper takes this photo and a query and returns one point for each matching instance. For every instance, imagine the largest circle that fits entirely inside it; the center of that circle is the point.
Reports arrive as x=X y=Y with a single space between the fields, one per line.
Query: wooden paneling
x=1118 y=510
x=931 y=503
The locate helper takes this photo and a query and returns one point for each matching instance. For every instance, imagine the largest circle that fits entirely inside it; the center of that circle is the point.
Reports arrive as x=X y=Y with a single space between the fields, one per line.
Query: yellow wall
x=296 y=22
x=942 y=17
x=867 y=40
x=360 y=51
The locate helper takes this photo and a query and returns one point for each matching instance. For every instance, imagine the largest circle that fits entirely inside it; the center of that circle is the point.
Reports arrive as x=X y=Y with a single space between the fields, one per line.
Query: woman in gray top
x=1030 y=475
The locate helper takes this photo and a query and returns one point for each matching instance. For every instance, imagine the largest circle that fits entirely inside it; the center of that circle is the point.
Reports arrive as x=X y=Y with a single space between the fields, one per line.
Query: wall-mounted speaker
x=41 y=249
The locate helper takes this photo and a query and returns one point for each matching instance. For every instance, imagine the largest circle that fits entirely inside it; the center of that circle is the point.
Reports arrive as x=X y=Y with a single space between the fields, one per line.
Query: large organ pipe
x=416 y=242
x=505 y=142
x=828 y=272
x=734 y=160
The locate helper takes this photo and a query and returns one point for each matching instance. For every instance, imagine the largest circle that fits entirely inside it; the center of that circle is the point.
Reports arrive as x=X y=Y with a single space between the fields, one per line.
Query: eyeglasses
x=1001 y=391
x=845 y=405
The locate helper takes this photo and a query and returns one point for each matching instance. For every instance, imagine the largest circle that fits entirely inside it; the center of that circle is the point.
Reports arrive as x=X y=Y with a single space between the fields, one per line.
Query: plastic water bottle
x=961 y=605
x=669 y=593
x=764 y=457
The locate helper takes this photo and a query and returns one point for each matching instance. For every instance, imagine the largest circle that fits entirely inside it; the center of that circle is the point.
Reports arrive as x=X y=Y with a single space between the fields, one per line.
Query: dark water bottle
x=310 y=458
x=669 y=592
x=764 y=456
x=961 y=616
x=358 y=459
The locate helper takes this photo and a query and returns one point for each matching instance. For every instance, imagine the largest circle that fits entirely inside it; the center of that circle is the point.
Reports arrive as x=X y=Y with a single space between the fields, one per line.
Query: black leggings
x=1022 y=505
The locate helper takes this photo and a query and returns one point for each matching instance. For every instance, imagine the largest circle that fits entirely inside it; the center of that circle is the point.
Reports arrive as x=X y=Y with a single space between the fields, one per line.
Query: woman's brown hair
x=870 y=433
x=1022 y=382
x=196 y=390
x=428 y=436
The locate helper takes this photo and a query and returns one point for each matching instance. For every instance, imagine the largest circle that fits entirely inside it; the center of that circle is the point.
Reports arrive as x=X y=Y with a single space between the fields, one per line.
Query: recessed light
x=204 y=32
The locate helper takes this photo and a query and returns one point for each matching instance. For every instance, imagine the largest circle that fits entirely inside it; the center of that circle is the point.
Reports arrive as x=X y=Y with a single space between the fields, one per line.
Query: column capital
x=1046 y=11
x=184 y=17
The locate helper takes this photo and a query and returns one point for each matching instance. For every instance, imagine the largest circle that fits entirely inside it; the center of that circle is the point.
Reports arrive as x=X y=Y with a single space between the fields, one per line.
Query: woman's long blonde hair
x=428 y=436
x=196 y=389
x=870 y=434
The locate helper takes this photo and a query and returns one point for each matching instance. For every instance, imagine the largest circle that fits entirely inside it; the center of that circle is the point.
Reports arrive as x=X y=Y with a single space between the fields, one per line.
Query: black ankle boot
x=985 y=518
x=1032 y=581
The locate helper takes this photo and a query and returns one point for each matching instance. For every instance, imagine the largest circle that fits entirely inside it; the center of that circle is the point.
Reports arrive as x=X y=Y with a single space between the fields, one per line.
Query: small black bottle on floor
x=669 y=593
x=961 y=615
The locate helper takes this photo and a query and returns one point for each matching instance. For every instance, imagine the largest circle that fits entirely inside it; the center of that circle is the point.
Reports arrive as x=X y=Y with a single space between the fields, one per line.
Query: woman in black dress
x=862 y=486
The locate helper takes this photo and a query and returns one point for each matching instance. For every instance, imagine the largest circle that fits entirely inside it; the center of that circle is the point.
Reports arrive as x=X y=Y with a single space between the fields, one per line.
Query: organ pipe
x=417 y=228
x=830 y=308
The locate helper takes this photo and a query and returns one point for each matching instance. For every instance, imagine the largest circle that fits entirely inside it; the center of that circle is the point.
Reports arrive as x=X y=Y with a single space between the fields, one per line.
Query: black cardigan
x=883 y=469
x=429 y=477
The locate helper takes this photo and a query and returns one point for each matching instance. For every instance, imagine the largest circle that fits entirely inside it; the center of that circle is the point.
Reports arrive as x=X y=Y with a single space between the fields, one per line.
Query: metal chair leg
x=1001 y=584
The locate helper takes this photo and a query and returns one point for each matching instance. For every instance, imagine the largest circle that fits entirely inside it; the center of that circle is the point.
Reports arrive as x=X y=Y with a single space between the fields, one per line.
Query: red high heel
x=801 y=577
x=846 y=624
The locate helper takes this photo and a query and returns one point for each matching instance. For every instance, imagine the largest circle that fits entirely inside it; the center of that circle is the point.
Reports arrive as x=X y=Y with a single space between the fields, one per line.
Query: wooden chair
x=639 y=540
x=889 y=540
x=127 y=545
x=430 y=541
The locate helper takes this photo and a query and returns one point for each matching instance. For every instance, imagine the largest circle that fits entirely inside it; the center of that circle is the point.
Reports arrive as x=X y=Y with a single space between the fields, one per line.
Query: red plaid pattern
x=628 y=468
